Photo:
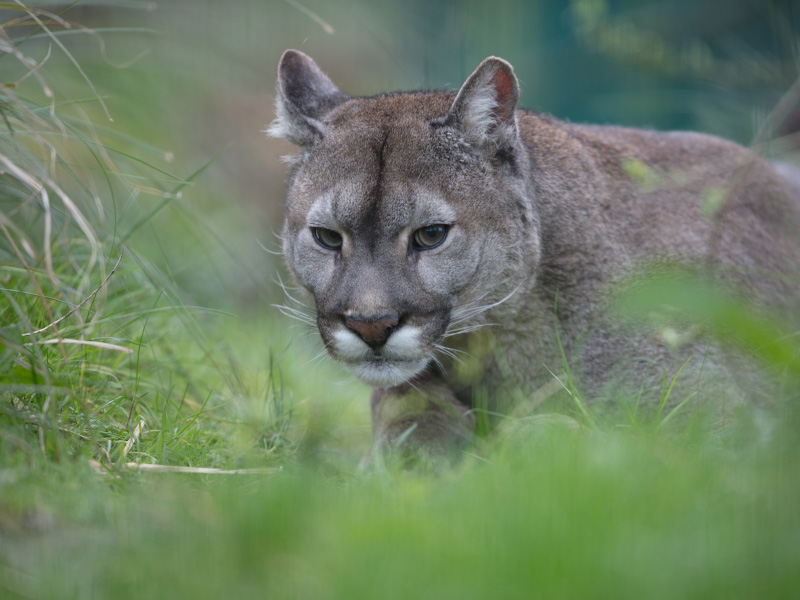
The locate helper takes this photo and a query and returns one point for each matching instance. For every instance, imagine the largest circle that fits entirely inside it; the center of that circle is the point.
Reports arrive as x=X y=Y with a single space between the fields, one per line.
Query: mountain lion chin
x=387 y=373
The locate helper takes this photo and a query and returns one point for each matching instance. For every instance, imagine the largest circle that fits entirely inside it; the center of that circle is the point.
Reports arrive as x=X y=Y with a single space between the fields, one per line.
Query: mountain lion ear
x=485 y=106
x=305 y=94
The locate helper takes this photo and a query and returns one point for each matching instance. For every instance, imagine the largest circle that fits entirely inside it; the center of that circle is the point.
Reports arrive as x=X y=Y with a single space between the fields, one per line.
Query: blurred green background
x=154 y=129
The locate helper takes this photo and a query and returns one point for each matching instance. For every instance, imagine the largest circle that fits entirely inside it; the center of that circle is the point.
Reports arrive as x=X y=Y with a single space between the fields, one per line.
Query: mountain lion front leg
x=427 y=420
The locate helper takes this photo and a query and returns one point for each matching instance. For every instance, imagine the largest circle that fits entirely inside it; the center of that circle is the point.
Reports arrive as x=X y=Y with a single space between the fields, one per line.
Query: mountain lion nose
x=373 y=330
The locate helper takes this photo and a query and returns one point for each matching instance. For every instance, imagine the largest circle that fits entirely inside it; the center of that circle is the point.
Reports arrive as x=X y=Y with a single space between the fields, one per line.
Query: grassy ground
x=121 y=342
x=562 y=515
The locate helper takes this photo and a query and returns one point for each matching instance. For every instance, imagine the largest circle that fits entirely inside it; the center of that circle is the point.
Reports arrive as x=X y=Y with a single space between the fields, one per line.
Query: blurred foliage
x=131 y=131
x=555 y=513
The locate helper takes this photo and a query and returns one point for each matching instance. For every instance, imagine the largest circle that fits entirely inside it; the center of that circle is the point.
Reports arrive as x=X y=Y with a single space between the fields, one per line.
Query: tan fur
x=538 y=212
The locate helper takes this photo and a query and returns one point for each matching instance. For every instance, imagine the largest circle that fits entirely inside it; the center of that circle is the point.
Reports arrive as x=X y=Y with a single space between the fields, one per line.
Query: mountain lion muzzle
x=456 y=247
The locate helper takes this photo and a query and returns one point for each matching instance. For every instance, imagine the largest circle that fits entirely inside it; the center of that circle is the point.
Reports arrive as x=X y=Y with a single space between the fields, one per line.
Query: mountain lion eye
x=429 y=237
x=327 y=238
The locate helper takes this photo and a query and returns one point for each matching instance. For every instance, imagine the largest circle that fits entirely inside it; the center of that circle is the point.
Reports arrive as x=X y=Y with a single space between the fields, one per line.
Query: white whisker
x=298 y=311
x=466 y=313
x=267 y=250
x=467 y=329
x=451 y=352
x=293 y=313
x=286 y=288
x=471 y=312
x=436 y=361
x=411 y=383
x=319 y=355
x=306 y=331
x=317 y=358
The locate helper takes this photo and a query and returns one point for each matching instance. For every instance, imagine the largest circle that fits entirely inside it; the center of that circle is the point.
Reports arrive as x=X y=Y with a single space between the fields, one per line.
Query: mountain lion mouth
x=400 y=359
x=383 y=373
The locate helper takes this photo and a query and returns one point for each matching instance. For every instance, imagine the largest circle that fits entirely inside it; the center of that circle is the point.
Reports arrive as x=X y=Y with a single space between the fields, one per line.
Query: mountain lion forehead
x=364 y=148
x=388 y=109
x=351 y=206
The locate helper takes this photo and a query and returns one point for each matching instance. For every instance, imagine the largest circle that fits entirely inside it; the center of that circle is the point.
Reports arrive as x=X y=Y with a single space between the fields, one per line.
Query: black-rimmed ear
x=304 y=95
x=485 y=106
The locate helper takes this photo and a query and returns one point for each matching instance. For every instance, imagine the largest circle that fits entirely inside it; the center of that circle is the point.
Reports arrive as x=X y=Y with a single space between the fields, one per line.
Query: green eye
x=429 y=237
x=327 y=238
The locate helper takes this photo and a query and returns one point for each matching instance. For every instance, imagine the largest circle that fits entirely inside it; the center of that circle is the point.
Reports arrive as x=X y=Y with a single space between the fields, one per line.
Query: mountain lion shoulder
x=454 y=242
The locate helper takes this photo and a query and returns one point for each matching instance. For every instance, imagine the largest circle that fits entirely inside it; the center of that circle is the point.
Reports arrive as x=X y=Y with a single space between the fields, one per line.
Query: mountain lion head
x=406 y=213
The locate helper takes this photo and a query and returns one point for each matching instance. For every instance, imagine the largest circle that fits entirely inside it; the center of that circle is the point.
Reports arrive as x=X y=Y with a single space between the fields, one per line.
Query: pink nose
x=373 y=330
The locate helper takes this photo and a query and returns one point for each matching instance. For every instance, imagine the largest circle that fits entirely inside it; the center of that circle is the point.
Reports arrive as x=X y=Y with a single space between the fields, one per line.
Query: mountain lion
x=462 y=252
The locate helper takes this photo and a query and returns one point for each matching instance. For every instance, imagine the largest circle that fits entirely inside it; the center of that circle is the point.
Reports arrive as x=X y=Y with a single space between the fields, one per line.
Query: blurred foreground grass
x=135 y=326
x=562 y=514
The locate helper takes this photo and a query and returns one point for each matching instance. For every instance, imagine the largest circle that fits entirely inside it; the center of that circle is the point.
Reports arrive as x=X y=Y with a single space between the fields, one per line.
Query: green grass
x=138 y=247
x=560 y=514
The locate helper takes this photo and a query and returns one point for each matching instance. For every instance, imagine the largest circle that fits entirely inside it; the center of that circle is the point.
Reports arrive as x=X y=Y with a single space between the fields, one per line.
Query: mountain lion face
x=392 y=213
